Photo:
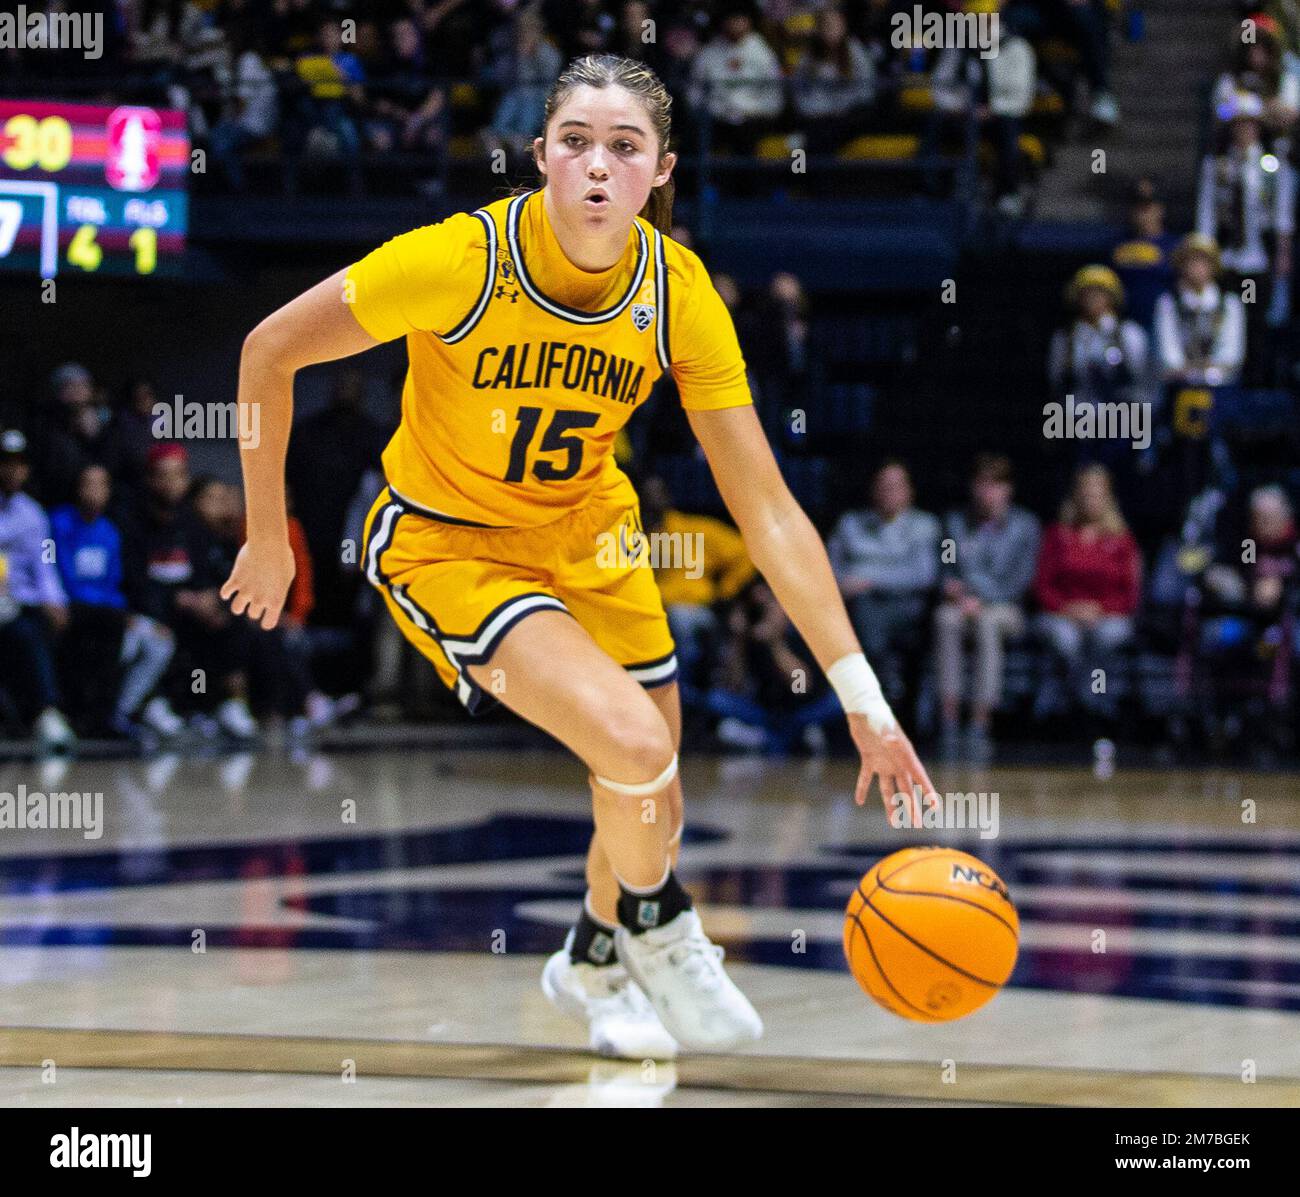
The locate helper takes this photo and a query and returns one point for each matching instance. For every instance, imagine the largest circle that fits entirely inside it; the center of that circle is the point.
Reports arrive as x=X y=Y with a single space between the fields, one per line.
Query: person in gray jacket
x=886 y=559
x=987 y=563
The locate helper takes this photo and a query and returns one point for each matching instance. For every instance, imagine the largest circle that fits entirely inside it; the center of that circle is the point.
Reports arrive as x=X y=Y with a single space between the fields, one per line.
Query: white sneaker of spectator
x=159 y=717
x=740 y=735
x=52 y=730
x=236 y=720
x=323 y=711
x=1104 y=109
x=814 y=739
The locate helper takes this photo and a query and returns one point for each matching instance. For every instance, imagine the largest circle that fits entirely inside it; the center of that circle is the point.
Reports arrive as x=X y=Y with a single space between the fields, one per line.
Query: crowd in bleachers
x=112 y=554
x=297 y=82
x=1164 y=539
x=1192 y=334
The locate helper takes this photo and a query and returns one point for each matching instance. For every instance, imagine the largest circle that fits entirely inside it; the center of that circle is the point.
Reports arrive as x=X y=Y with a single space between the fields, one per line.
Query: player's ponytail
x=605 y=70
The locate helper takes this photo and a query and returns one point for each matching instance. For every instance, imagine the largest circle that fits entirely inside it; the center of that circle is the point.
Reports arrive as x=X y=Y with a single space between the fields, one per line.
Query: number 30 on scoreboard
x=92 y=188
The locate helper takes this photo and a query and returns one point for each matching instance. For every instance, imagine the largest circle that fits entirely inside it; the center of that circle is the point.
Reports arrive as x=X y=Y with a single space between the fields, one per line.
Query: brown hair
x=608 y=70
x=996 y=467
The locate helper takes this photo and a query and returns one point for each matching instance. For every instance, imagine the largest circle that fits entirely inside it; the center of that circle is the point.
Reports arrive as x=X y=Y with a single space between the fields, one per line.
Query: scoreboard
x=92 y=190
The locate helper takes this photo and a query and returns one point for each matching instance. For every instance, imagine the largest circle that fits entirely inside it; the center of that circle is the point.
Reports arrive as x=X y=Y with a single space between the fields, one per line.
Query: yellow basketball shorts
x=456 y=589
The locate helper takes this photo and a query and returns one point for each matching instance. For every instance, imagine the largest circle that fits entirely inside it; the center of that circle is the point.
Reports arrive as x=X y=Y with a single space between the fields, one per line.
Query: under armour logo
x=647 y=914
x=512 y=295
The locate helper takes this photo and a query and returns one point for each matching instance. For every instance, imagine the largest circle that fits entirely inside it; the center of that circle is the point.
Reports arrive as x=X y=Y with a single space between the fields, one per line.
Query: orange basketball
x=931 y=934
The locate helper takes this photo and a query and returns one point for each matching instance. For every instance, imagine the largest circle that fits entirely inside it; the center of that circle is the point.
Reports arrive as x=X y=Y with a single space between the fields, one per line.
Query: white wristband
x=859 y=691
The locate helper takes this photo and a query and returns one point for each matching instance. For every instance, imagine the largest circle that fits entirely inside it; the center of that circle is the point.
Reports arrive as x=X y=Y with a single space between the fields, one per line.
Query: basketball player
x=507 y=543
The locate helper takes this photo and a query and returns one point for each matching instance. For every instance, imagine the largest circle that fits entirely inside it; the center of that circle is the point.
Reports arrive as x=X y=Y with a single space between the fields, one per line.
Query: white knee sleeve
x=641 y=788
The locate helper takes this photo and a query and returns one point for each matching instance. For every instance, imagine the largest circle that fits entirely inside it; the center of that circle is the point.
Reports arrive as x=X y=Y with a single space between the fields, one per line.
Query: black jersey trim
x=563 y=311
x=466 y=326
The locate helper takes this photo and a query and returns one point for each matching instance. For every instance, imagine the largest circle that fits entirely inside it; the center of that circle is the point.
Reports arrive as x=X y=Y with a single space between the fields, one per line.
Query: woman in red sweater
x=1087 y=585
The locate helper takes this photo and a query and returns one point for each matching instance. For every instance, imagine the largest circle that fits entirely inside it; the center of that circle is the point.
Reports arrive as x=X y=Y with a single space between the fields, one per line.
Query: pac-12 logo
x=643 y=315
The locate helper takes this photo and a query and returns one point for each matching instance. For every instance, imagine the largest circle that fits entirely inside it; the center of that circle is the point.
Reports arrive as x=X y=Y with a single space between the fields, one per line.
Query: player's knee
x=635 y=751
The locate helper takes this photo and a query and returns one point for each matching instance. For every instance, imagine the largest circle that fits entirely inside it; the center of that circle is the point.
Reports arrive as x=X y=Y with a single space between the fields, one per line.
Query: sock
x=641 y=909
x=593 y=939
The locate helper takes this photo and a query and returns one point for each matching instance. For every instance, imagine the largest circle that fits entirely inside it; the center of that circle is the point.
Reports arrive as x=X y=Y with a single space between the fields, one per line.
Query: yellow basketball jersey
x=523 y=368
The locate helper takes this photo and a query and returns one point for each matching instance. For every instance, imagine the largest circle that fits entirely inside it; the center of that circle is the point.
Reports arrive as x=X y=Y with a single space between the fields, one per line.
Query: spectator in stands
x=770 y=695
x=775 y=339
x=326 y=116
x=834 y=85
x=291 y=28
x=700 y=565
x=580 y=26
x=1200 y=329
x=681 y=44
x=278 y=661
x=886 y=559
x=634 y=36
x=1087 y=586
x=173 y=574
x=68 y=435
x=119 y=657
x=1246 y=203
x=1101 y=359
x=329 y=454
x=996 y=91
x=737 y=78
x=1254 y=576
x=130 y=435
x=250 y=108
x=1250 y=597
x=1085 y=25
x=985 y=578
x=33 y=606
x=404 y=113
x=1287 y=15
x=524 y=73
x=1143 y=261
x=1257 y=70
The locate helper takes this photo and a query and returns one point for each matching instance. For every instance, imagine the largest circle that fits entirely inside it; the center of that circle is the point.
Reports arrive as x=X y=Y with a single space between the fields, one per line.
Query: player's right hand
x=259 y=583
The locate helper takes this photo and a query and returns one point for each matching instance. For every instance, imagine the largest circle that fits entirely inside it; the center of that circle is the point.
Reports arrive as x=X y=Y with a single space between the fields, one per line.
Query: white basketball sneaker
x=680 y=970
x=619 y=1019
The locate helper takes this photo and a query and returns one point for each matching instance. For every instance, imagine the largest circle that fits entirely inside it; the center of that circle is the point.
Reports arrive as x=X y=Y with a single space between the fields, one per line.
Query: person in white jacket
x=998 y=90
x=737 y=78
x=251 y=108
x=1246 y=202
x=1200 y=328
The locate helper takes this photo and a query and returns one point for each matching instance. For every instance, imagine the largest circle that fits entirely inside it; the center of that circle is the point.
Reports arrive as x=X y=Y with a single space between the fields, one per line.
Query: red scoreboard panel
x=87 y=189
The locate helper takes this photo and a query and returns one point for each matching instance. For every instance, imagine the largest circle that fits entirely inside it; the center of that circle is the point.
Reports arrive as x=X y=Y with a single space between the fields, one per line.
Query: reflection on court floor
x=244 y=925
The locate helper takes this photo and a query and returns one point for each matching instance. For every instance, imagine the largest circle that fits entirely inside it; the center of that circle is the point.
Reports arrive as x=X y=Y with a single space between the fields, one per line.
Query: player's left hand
x=891 y=758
